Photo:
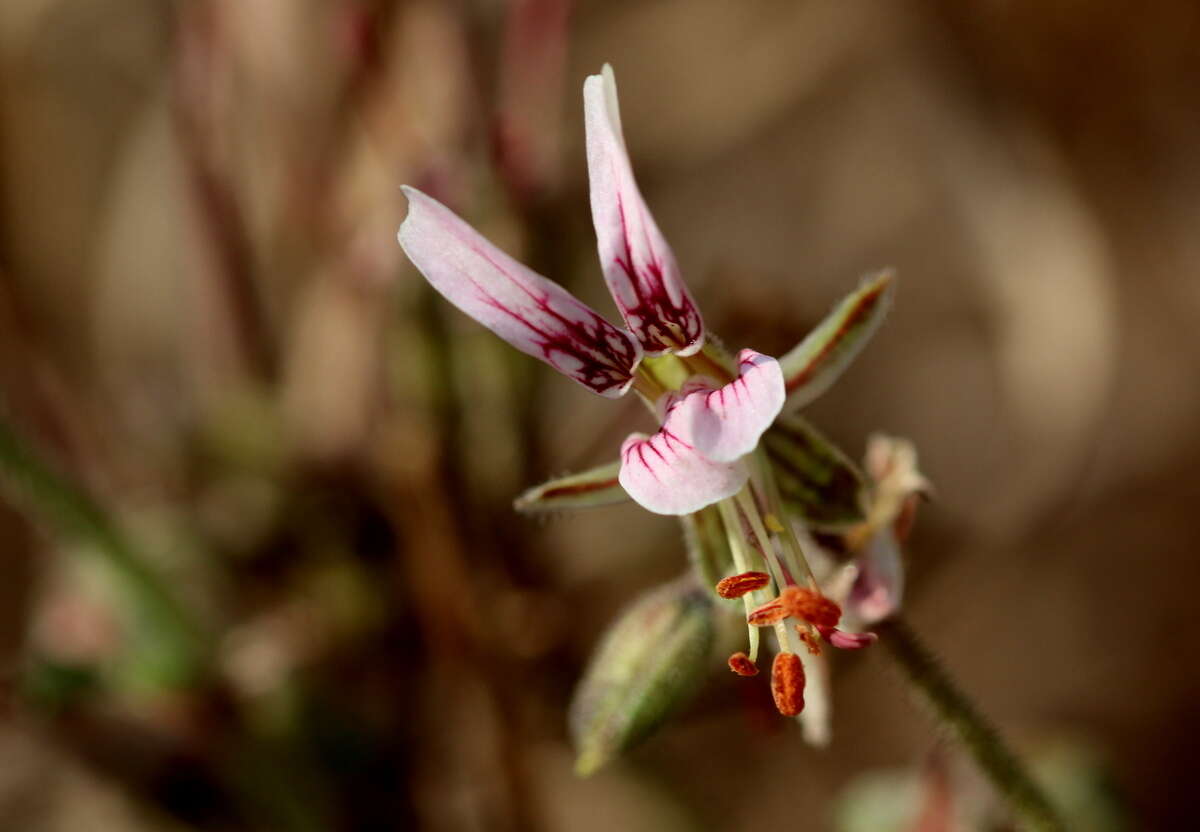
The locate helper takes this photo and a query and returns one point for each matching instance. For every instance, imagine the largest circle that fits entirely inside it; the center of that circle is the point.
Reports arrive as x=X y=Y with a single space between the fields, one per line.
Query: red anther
x=735 y=586
x=848 y=641
x=811 y=606
x=742 y=665
x=787 y=683
x=767 y=614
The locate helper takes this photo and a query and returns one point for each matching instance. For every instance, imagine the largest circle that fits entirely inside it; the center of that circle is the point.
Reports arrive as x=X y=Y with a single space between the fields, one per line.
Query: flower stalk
x=1003 y=769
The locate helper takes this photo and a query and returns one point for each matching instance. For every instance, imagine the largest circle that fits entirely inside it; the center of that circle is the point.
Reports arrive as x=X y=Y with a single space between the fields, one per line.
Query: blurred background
x=260 y=569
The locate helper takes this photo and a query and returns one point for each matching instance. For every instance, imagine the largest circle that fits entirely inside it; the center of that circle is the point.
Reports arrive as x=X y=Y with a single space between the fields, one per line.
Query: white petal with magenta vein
x=665 y=474
x=638 y=265
x=726 y=423
x=535 y=315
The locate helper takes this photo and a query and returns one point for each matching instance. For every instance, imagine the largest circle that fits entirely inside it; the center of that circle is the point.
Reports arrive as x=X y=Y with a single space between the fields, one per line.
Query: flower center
x=777 y=587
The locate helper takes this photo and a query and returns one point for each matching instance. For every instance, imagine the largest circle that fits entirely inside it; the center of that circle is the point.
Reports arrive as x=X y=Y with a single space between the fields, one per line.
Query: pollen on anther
x=787 y=683
x=735 y=586
x=810 y=641
x=742 y=665
x=810 y=606
x=767 y=614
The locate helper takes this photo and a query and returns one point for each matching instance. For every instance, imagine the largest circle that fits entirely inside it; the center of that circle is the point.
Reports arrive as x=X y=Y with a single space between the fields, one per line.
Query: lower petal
x=666 y=475
x=727 y=423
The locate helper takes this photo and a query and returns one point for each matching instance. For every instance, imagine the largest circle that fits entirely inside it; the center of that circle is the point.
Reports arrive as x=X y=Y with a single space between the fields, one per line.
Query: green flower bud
x=648 y=665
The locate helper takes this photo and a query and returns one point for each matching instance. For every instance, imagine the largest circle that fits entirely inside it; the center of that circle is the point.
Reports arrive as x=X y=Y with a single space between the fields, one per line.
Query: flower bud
x=647 y=666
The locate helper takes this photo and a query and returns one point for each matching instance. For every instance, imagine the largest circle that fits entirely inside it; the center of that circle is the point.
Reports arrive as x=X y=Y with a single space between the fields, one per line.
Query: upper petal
x=726 y=423
x=665 y=474
x=638 y=265
x=533 y=314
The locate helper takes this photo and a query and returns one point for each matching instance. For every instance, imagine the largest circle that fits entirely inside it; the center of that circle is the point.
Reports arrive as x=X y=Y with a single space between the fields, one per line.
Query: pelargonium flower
x=709 y=422
x=730 y=455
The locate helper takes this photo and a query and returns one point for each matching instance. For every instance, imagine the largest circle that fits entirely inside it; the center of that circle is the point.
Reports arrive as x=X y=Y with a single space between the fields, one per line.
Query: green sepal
x=813 y=365
x=596 y=487
x=815 y=478
x=648 y=665
x=708 y=548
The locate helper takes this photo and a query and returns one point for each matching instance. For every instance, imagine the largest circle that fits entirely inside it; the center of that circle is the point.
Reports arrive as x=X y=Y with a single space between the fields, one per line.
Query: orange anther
x=787 y=683
x=767 y=614
x=811 y=606
x=742 y=665
x=735 y=586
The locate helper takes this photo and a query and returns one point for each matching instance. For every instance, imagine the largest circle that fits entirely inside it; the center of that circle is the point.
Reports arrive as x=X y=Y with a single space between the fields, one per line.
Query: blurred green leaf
x=813 y=365
x=878 y=801
x=1082 y=785
x=165 y=638
x=53 y=685
x=646 y=668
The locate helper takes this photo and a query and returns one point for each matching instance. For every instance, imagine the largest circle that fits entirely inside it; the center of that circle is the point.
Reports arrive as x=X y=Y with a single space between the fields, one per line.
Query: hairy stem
x=951 y=706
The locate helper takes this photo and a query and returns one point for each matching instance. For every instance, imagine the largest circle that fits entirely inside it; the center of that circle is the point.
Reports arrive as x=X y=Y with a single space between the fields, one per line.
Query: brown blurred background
x=259 y=567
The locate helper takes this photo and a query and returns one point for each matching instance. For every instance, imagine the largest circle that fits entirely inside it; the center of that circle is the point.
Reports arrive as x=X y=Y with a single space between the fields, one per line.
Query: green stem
x=997 y=762
x=729 y=519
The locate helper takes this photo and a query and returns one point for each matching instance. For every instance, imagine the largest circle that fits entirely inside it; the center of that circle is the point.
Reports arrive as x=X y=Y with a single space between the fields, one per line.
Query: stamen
x=737 y=547
x=735 y=586
x=792 y=550
x=798 y=602
x=811 y=606
x=787 y=683
x=767 y=614
x=742 y=665
x=748 y=509
x=810 y=640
